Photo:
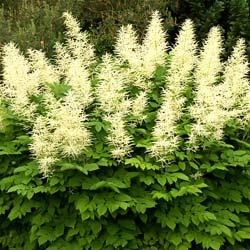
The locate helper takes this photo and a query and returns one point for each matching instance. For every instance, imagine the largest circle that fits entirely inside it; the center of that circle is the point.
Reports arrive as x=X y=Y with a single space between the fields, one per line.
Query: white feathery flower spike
x=78 y=78
x=118 y=137
x=63 y=59
x=39 y=64
x=183 y=58
x=44 y=148
x=127 y=47
x=235 y=87
x=154 y=46
x=164 y=132
x=61 y=133
x=66 y=121
x=208 y=68
x=110 y=91
x=115 y=103
x=77 y=42
x=19 y=83
x=222 y=102
x=143 y=59
x=73 y=60
x=182 y=63
x=235 y=72
x=209 y=64
x=139 y=105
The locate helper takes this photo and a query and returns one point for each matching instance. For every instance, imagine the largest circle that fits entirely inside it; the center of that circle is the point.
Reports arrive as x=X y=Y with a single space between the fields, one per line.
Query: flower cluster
x=61 y=133
x=143 y=59
x=115 y=103
x=198 y=88
x=183 y=59
x=19 y=82
x=218 y=103
x=59 y=130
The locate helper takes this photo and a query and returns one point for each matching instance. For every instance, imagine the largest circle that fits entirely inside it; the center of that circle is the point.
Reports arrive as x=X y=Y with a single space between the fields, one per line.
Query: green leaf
x=193 y=165
x=82 y=203
x=95 y=226
x=96 y=245
x=89 y=167
x=59 y=89
x=175 y=238
x=161 y=195
x=84 y=169
x=101 y=209
x=182 y=165
x=243 y=234
x=161 y=179
x=170 y=222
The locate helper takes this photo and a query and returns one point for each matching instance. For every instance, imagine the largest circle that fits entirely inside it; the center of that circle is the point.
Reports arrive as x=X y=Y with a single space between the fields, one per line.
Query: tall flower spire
x=154 y=46
x=115 y=103
x=61 y=133
x=74 y=58
x=40 y=65
x=77 y=42
x=183 y=59
x=19 y=83
x=207 y=71
x=143 y=59
x=216 y=105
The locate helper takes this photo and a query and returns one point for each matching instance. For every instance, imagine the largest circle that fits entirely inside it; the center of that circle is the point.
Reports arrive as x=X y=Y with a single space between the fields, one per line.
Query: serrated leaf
x=243 y=234
x=170 y=222
x=101 y=209
x=175 y=238
x=161 y=179
x=82 y=203
x=96 y=227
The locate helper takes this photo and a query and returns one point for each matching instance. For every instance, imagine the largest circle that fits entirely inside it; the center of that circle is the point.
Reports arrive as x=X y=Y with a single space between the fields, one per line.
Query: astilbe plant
x=146 y=148
x=120 y=88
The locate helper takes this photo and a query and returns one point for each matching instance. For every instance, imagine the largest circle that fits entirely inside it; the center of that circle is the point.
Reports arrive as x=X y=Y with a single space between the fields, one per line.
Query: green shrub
x=38 y=24
x=34 y=23
x=232 y=16
x=148 y=149
x=103 y=19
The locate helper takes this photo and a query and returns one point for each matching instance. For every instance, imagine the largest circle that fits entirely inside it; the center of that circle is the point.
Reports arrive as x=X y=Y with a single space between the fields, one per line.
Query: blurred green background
x=38 y=23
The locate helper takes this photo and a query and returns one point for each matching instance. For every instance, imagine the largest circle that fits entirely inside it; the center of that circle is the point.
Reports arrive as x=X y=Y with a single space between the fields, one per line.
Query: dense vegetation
x=138 y=149
x=38 y=24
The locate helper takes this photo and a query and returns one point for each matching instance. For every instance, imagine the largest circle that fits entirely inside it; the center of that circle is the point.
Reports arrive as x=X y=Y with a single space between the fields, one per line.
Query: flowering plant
x=164 y=130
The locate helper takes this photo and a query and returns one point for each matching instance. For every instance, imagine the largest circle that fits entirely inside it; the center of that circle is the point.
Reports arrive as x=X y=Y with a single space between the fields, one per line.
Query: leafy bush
x=103 y=19
x=38 y=24
x=147 y=149
x=233 y=16
x=34 y=23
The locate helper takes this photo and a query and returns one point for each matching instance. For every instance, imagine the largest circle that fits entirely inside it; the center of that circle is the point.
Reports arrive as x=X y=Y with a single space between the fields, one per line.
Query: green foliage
x=102 y=19
x=199 y=201
x=233 y=16
x=34 y=23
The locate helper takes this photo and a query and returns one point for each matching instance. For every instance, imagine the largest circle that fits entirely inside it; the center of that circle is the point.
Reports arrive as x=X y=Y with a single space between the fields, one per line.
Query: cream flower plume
x=154 y=46
x=182 y=62
x=118 y=137
x=206 y=73
x=77 y=42
x=143 y=59
x=61 y=133
x=19 y=83
x=216 y=105
x=40 y=65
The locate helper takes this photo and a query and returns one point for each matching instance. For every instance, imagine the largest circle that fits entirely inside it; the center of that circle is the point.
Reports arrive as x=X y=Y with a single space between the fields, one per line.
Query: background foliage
x=37 y=23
